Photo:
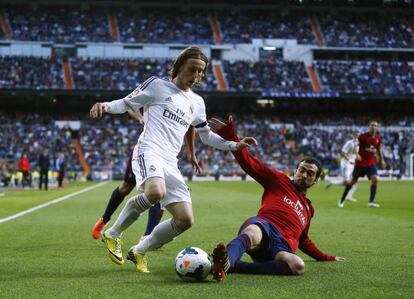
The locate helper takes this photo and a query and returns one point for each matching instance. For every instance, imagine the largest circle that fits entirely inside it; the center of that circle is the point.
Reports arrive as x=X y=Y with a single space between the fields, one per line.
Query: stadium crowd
x=122 y=74
x=58 y=24
x=107 y=143
x=160 y=26
x=267 y=75
x=362 y=77
x=30 y=134
x=70 y=24
x=30 y=72
x=243 y=26
x=365 y=30
x=346 y=77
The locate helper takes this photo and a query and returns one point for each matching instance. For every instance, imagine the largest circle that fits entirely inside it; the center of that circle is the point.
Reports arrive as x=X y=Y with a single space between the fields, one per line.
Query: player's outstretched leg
x=221 y=262
x=113 y=245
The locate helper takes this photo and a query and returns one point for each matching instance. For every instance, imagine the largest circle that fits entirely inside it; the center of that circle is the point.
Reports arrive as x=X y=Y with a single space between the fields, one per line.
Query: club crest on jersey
x=192 y=109
x=133 y=94
x=152 y=168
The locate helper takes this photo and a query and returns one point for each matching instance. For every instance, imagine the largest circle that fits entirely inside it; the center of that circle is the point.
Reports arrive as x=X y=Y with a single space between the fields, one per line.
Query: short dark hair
x=314 y=161
x=187 y=53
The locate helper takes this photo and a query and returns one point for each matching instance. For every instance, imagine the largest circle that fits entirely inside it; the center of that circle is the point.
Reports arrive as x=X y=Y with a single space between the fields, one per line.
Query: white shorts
x=346 y=171
x=147 y=166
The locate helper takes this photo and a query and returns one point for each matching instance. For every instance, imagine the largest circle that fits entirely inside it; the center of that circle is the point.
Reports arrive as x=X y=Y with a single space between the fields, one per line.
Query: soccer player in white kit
x=170 y=107
x=349 y=153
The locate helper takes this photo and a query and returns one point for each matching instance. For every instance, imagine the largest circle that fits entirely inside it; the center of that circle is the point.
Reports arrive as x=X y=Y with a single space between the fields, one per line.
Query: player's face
x=305 y=175
x=191 y=73
x=373 y=127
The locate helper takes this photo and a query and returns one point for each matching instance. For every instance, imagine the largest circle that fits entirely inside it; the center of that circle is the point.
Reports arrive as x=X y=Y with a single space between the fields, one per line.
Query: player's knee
x=185 y=222
x=155 y=194
x=298 y=267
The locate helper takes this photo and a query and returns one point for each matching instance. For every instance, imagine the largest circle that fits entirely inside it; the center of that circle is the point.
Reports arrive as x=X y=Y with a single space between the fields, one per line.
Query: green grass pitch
x=50 y=254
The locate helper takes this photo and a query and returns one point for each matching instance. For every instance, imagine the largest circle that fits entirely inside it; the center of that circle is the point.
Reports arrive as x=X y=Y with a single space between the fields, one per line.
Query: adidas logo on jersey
x=169 y=99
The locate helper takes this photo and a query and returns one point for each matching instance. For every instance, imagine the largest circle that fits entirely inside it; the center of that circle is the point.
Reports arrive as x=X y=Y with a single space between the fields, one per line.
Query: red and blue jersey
x=368 y=147
x=287 y=208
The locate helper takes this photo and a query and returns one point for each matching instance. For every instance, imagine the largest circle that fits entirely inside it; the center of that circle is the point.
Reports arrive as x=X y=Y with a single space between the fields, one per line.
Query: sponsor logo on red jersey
x=297 y=207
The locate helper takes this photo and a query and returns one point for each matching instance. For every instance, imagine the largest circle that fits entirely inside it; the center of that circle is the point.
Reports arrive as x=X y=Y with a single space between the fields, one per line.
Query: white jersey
x=168 y=113
x=350 y=148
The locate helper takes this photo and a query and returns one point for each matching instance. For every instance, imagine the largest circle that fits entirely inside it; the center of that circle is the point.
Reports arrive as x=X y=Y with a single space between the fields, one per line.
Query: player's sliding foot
x=139 y=261
x=340 y=204
x=114 y=249
x=221 y=262
x=351 y=199
x=98 y=228
x=373 y=205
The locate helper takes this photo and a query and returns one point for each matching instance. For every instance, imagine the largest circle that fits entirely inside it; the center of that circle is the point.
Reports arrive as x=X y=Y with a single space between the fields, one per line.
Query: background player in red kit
x=366 y=163
x=281 y=226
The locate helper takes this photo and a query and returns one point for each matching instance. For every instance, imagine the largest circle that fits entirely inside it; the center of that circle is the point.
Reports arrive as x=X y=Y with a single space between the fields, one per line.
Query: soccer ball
x=192 y=264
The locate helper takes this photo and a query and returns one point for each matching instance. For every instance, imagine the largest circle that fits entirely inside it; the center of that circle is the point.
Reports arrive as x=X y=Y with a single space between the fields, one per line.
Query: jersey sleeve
x=142 y=95
x=307 y=246
x=200 y=121
x=259 y=171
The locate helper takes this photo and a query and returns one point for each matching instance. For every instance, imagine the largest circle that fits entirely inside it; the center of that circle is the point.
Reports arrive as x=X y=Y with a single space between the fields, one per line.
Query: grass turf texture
x=50 y=254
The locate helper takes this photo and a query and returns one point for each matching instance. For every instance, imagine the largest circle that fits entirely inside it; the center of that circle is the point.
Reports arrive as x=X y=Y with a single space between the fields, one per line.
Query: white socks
x=129 y=214
x=351 y=191
x=163 y=233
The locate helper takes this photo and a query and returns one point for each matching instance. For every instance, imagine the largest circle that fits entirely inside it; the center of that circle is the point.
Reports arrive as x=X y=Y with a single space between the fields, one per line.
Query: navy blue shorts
x=272 y=241
x=365 y=171
x=129 y=176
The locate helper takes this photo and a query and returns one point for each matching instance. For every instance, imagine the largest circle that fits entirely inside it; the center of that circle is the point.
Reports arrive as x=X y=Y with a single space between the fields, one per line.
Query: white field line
x=22 y=213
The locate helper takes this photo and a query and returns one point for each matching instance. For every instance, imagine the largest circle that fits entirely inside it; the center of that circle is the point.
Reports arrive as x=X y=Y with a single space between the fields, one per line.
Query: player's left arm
x=190 y=146
x=307 y=246
x=210 y=138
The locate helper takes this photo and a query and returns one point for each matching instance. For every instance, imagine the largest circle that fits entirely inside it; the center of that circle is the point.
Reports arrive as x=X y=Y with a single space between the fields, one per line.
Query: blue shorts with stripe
x=365 y=171
x=272 y=241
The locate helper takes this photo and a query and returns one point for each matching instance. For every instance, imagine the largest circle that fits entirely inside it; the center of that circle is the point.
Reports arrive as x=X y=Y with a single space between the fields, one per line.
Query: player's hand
x=194 y=163
x=245 y=142
x=98 y=110
x=215 y=124
x=358 y=158
x=339 y=259
x=383 y=165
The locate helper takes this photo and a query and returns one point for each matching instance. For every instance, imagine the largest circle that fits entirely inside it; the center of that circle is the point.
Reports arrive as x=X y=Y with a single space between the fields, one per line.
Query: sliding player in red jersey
x=282 y=224
x=366 y=163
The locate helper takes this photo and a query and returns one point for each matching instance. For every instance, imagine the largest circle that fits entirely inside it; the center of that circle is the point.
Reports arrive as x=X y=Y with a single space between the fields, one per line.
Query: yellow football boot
x=139 y=261
x=114 y=248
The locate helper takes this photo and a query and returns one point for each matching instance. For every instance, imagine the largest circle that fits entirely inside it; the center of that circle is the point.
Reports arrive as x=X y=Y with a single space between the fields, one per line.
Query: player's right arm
x=259 y=171
x=140 y=97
